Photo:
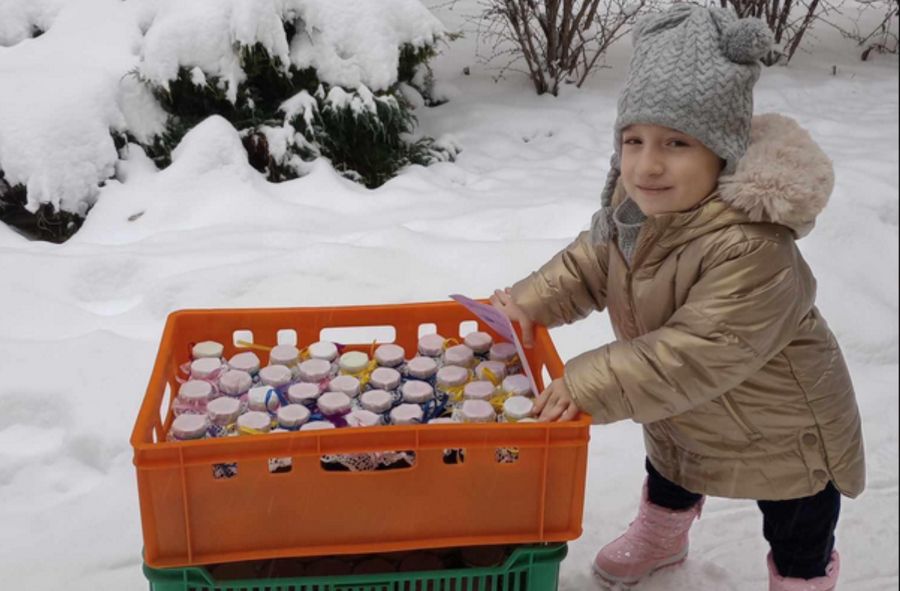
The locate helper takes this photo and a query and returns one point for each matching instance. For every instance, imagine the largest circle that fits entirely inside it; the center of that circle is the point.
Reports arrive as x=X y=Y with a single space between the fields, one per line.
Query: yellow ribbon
x=455 y=392
x=365 y=373
x=497 y=401
x=304 y=354
x=451 y=342
x=491 y=376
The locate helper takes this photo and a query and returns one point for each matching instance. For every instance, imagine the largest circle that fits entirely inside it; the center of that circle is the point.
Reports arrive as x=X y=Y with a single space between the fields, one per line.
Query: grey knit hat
x=693 y=69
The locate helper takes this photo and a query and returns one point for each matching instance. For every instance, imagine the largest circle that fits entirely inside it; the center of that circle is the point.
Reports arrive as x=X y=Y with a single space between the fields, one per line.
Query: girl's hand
x=503 y=302
x=555 y=403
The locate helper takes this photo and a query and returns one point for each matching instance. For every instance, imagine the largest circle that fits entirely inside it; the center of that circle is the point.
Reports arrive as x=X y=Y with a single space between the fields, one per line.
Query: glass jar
x=188 y=427
x=422 y=368
x=479 y=390
x=506 y=354
x=223 y=413
x=407 y=414
x=384 y=378
x=377 y=401
x=254 y=422
x=304 y=393
x=451 y=380
x=193 y=396
x=206 y=368
x=235 y=383
x=479 y=342
x=349 y=385
x=247 y=361
x=288 y=356
x=363 y=418
x=207 y=349
x=390 y=355
x=493 y=371
x=323 y=350
x=292 y=416
x=334 y=404
x=417 y=392
x=516 y=408
x=477 y=411
x=275 y=376
x=431 y=345
x=460 y=355
x=353 y=363
x=517 y=385
x=317 y=426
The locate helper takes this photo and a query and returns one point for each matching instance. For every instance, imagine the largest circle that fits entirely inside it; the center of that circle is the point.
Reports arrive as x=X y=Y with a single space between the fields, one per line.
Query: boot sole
x=627 y=582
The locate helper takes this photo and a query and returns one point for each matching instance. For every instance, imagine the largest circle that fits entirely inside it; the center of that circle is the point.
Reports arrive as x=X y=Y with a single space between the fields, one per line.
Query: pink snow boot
x=826 y=583
x=658 y=537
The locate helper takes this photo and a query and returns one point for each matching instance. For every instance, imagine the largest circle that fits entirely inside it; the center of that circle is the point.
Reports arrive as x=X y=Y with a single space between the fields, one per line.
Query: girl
x=721 y=353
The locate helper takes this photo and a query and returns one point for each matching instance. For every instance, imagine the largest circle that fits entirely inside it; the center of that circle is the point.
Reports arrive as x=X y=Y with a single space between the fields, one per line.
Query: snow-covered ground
x=80 y=322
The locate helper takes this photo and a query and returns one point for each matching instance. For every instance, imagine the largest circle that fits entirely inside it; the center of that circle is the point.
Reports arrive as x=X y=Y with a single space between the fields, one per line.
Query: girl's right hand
x=503 y=302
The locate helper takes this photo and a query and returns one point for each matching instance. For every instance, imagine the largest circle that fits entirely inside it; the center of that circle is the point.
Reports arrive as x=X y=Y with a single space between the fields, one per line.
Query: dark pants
x=800 y=531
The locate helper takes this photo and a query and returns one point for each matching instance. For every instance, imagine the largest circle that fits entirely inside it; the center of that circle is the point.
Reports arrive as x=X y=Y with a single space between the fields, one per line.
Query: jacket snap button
x=819 y=474
x=810 y=439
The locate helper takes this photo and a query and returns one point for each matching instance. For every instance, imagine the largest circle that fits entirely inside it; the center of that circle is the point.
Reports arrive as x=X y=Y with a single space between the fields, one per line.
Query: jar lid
x=354 y=361
x=483 y=556
x=205 y=367
x=517 y=407
x=333 y=403
x=479 y=390
x=478 y=411
x=431 y=345
x=247 y=361
x=407 y=414
x=259 y=398
x=323 y=350
x=284 y=355
x=517 y=385
x=235 y=382
x=255 y=421
x=207 y=349
x=420 y=561
x=275 y=375
x=349 y=385
x=315 y=370
x=459 y=355
x=363 y=418
x=497 y=368
x=422 y=367
x=502 y=351
x=376 y=400
x=385 y=378
x=443 y=421
x=195 y=390
x=417 y=392
x=303 y=393
x=452 y=375
x=317 y=426
x=390 y=355
x=480 y=342
x=223 y=410
x=292 y=415
x=190 y=427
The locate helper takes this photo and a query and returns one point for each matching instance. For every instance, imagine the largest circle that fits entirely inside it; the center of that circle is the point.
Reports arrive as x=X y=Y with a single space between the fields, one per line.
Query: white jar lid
x=354 y=361
x=190 y=427
x=389 y=355
x=315 y=370
x=385 y=378
x=317 y=426
x=235 y=382
x=417 y=392
x=376 y=400
x=502 y=352
x=407 y=414
x=207 y=349
x=431 y=345
x=255 y=421
x=333 y=403
x=517 y=385
x=363 y=418
x=275 y=375
x=323 y=350
x=480 y=342
x=292 y=415
x=195 y=390
x=478 y=411
x=258 y=398
x=246 y=361
x=349 y=385
x=479 y=390
x=498 y=368
x=422 y=367
x=452 y=375
x=517 y=407
x=459 y=355
x=223 y=410
x=284 y=355
x=443 y=421
x=303 y=393
x=205 y=367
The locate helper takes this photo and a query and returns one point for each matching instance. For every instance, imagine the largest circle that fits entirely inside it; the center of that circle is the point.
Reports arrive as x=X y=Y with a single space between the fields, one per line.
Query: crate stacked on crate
x=192 y=517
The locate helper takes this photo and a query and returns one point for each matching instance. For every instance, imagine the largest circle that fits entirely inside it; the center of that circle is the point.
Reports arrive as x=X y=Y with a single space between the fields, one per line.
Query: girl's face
x=664 y=170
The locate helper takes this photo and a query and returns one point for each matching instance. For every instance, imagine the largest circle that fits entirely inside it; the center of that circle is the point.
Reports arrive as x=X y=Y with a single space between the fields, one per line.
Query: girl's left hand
x=555 y=403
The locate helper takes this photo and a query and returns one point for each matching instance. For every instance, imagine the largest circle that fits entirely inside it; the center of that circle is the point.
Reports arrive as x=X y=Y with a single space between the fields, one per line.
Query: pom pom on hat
x=747 y=40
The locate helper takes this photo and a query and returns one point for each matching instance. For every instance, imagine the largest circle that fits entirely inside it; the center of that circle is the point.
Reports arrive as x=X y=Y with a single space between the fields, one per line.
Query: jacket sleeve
x=743 y=311
x=568 y=287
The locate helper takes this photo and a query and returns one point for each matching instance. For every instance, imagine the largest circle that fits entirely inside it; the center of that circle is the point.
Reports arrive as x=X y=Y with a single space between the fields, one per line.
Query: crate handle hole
x=242 y=335
x=224 y=471
x=507 y=455
x=280 y=465
x=369 y=462
x=427 y=328
x=286 y=336
x=359 y=335
x=467 y=327
x=453 y=457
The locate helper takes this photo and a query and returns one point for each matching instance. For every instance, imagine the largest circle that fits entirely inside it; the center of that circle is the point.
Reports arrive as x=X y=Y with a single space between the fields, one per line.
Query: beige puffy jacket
x=721 y=353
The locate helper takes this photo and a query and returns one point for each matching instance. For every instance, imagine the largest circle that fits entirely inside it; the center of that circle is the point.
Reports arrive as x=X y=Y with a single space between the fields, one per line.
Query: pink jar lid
x=333 y=403
x=255 y=421
x=516 y=408
x=376 y=400
x=363 y=418
x=422 y=367
x=479 y=390
x=498 y=368
x=303 y=393
x=292 y=415
x=349 y=385
x=502 y=352
x=205 y=367
x=420 y=561
x=275 y=375
x=478 y=411
x=235 y=382
x=258 y=398
x=315 y=370
x=247 y=361
x=417 y=392
x=385 y=378
x=480 y=342
x=459 y=355
x=452 y=375
x=317 y=426
x=190 y=427
x=284 y=355
x=517 y=385
x=195 y=390
x=207 y=349
x=431 y=345
x=389 y=355
x=223 y=410
x=407 y=414
x=323 y=350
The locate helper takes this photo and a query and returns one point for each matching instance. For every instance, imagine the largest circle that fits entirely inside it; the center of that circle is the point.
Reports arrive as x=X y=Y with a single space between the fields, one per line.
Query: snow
x=81 y=321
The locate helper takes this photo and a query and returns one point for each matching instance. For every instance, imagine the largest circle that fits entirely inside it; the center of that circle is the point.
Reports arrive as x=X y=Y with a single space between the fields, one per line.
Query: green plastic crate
x=528 y=568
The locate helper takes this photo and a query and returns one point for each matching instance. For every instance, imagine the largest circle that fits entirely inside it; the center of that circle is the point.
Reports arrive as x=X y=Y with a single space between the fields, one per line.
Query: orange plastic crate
x=190 y=518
